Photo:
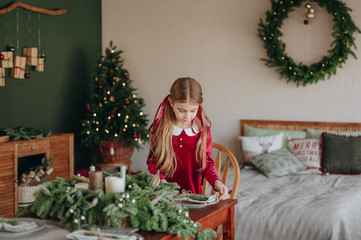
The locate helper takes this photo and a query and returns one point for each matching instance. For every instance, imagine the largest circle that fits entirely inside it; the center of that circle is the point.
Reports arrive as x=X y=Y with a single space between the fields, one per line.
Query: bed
x=298 y=206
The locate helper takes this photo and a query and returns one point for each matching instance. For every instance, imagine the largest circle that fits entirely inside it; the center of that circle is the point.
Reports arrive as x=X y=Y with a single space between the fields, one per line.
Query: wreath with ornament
x=143 y=204
x=343 y=40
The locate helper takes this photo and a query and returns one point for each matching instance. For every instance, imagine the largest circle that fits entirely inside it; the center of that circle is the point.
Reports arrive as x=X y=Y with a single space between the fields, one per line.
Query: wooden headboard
x=300 y=125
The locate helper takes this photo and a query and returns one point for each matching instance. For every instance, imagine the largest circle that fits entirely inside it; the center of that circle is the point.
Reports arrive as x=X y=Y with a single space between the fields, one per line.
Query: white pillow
x=253 y=146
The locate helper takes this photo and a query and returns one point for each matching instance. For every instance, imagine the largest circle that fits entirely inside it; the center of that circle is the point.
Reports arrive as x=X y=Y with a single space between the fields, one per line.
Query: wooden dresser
x=59 y=146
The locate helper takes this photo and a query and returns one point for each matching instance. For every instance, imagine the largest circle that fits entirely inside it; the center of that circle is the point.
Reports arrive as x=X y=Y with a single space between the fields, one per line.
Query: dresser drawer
x=28 y=148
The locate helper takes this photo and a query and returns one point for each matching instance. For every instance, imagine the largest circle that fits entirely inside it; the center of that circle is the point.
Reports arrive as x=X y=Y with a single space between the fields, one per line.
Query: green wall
x=54 y=99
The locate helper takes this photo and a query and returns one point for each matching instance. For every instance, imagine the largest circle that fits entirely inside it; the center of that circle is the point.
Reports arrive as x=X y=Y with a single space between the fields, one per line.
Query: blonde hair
x=183 y=90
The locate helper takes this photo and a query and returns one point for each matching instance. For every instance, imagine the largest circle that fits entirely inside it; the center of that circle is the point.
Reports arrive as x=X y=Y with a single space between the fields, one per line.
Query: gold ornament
x=112 y=99
x=308 y=5
x=311 y=10
x=310 y=16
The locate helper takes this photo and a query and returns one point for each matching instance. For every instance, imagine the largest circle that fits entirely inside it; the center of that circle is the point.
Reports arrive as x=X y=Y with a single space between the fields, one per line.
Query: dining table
x=209 y=216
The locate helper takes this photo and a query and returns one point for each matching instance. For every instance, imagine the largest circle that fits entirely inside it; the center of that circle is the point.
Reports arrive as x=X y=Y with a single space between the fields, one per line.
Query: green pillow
x=252 y=131
x=278 y=163
x=311 y=133
x=341 y=155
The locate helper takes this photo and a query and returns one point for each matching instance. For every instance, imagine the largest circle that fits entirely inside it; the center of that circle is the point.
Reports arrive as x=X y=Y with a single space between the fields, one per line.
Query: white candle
x=114 y=184
x=123 y=170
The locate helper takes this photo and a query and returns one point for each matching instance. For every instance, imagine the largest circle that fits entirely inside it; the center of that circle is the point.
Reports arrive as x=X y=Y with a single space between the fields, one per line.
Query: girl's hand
x=222 y=189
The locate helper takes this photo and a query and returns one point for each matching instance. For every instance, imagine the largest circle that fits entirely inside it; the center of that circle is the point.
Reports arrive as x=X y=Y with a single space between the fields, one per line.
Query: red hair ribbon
x=202 y=131
x=156 y=120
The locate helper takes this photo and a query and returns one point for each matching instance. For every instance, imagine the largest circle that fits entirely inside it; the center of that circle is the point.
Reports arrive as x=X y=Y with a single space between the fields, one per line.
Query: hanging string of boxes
x=17 y=64
x=30 y=55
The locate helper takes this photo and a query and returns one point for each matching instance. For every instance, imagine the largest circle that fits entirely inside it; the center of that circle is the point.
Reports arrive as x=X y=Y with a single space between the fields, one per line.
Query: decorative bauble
x=88 y=108
x=306 y=22
x=311 y=10
x=126 y=76
x=308 y=5
x=11 y=48
x=310 y=15
x=27 y=75
x=127 y=102
x=116 y=68
x=100 y=86
x=43 y=56
x=141 y=100
x=2 y=56
x=112 y=99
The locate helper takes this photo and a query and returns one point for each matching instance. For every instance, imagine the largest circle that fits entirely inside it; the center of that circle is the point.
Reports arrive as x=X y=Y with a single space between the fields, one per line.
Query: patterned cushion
x=278 y=163
x=254 y=146
x=309 y=151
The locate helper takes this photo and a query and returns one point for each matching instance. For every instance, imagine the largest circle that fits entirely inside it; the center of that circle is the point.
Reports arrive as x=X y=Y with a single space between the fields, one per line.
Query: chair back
x=228 y=158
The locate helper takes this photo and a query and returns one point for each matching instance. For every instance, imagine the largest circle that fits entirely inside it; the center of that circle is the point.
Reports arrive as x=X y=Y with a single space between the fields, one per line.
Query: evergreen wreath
x=143 y=205
x=301 y=74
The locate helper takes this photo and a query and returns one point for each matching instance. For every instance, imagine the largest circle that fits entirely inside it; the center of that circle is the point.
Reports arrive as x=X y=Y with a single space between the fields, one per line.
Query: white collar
x=177 y=130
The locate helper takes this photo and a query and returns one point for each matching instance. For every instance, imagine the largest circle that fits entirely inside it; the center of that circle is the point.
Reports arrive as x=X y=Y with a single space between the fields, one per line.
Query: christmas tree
x=114 y=111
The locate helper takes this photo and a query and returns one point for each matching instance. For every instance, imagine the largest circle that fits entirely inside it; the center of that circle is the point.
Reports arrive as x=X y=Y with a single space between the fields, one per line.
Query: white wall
x=216 y=42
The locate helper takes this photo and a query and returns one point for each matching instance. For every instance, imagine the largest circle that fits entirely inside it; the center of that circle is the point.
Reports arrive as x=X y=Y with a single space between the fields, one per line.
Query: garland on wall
x=301 y=74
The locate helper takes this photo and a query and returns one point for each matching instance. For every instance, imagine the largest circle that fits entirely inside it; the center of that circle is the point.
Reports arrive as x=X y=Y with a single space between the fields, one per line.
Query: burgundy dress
x=187 y=175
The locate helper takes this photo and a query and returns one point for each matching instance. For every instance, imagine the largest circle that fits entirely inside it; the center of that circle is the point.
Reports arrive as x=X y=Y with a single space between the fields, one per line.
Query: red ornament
x=126 y=76
x=88 y=108
x=100 y=86
x=27 y=75
x=112 y=115
x=2 y=56
x=135 y=135
x=127 y=102
x=306 y=22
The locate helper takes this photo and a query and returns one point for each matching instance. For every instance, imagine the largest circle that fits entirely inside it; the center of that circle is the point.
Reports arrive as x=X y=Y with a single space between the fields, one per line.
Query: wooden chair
x=224 y=166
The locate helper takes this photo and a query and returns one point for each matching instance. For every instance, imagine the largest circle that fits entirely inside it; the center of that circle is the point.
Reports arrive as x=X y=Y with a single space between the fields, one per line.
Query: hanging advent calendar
x=23 y=55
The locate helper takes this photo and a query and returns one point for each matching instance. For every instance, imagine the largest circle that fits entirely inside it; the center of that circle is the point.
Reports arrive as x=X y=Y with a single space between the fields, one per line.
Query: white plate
x=199 y=205
x=120 y=233
x=41 y=224
x=191 y=203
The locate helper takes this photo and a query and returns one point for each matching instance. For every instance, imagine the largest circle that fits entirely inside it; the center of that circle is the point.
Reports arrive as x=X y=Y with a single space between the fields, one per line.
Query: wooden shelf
x=59 y=146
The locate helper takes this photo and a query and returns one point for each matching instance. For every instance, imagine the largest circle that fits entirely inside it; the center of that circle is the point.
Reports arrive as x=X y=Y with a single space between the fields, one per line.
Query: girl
x=181 y=143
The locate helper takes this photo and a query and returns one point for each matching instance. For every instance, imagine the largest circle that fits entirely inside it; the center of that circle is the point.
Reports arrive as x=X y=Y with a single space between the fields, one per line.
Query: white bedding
x=298 y=207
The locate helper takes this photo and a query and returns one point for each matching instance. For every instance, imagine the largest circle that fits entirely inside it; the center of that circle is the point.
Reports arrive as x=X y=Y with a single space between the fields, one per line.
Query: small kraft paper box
x=31 y=55
x=18 y=71
x=2 y=77
x=7 y=62
x=40 y=66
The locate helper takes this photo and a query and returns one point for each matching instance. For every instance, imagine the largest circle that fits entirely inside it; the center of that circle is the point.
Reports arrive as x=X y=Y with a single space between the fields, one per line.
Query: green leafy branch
x=142 y=205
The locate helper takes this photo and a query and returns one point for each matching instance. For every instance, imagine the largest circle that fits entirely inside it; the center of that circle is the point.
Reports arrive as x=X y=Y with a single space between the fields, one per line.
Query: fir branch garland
x=82 y=208
x=301 y=74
